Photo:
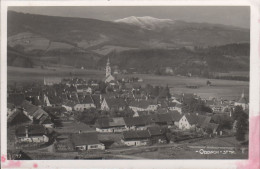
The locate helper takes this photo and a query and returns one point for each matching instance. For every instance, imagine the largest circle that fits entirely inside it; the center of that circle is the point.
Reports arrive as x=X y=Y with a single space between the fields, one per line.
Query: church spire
x=108 y=68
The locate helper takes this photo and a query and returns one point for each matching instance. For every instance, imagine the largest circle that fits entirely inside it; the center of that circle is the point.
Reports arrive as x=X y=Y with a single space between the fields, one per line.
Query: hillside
x=134 y=42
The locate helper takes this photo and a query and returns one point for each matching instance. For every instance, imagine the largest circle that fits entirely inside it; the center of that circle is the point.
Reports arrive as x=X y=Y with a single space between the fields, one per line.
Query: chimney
x=26 y=132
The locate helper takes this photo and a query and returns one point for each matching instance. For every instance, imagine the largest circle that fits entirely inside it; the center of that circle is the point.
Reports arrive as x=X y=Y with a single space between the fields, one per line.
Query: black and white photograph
x=128 y=82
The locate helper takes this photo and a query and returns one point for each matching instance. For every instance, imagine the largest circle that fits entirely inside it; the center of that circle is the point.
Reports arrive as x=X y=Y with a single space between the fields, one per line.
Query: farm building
x=36 y=114
x=86 y=141
x=136 y=138
x=32 y=134
x=157 y=135
x=193 y=121
x=110 y=125
x=135 y=123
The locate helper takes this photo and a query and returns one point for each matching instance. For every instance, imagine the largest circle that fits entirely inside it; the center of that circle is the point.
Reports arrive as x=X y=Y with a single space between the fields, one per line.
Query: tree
x=242 y=127
x=237 y=112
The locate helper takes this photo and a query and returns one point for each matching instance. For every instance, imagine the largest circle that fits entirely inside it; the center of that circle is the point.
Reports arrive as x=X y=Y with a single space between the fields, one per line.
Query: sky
x=236 y=15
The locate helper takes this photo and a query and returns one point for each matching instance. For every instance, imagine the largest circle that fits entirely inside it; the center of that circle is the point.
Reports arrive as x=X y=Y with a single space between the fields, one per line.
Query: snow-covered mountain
x=146 y=22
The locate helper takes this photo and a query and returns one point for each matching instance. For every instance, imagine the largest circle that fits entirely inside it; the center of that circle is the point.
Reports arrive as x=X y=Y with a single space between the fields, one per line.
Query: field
x=227 y=89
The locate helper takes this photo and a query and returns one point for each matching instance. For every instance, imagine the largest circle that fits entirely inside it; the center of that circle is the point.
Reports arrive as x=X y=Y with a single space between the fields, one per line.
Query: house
x=110 y=125
x=68 y=105
x=86 y=141
x=36 y=114
x=194 y=121
x=85 y=102
x=113 y=104
x=242 y=102
x=18 y=117
x=32 y=134
x=185 y=124
x=135 y=123
x=157 y=135
x=143 y=105
x=172 y=106
x=142 y=113
x=136 y=138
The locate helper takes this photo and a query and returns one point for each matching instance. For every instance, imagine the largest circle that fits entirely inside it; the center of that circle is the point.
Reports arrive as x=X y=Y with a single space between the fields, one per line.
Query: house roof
x=142 y=103
x=199 y=120
x=242 y=100
x=87 y=100
x=155 y=130
x=33 y=130
x=175 y=115
x=84 y=139
x=134 y=121
x=116 y=102
x=110 y=122
x=30 y=108
x=142 y=134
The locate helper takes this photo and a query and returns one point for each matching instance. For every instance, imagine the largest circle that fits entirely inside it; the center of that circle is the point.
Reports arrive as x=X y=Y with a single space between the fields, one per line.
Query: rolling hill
x=36 y=40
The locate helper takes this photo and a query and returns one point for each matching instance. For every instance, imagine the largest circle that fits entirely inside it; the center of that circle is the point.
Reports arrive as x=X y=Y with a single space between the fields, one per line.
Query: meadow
x=226 y=89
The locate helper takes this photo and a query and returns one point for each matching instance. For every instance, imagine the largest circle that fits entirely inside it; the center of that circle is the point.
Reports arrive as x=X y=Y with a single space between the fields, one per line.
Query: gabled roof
x=155 y=131
x=242 y=100
x=87 y=100
x=142 y=103
x=115 y=102
x=130 y=135
x=110 y=122
x=33 y=130
x=199 y=120
x=134 y=121
x=175 y=116
x=84 y=139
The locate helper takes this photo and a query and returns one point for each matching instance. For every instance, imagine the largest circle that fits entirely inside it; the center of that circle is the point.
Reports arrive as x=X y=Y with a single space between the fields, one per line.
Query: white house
x=86 y=141
x=184 y=124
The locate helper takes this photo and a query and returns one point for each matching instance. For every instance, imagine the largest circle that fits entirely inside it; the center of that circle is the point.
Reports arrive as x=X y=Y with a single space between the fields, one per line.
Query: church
x=109 y=77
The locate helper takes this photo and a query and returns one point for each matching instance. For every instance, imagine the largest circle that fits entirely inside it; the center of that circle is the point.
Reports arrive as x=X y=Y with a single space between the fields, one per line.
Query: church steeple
x=108 y=68
x=243 y=94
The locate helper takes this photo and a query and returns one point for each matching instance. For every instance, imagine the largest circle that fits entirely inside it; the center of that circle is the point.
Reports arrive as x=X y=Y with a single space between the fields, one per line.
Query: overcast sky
x=236 y=16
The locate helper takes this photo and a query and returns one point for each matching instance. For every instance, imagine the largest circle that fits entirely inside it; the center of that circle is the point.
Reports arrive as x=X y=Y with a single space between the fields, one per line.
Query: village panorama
x=69 y=97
